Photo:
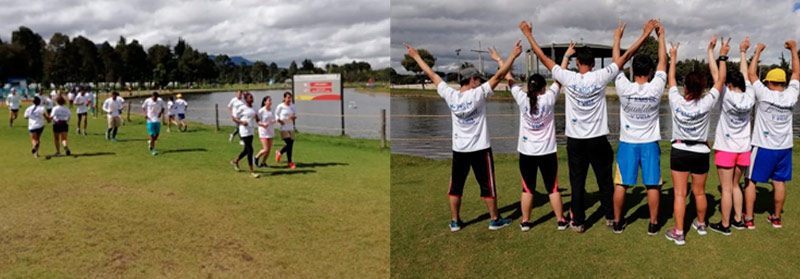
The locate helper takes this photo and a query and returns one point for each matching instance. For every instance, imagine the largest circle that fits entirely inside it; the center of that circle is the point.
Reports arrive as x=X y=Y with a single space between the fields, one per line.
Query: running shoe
x=775 y=221
x=263 y=165
x=235 y=165
x=107 y=137
x=673 y=236
x=277 y=156
x=78 y=132
x=652 y=229
x=154 y=152
x=562 y=225
x=699 y=227
x=525 y=226
x=254 y=175
x=748 y=222
x=241 y=142
x=113 y=139
x=84 y=132
x=577 y=228
x=619 y=227
x=718 y=227
x=230 y=138
x=610 y=223
x=499 y=223
x=57 y=154
x=738 y=225
x=169 y=131
x=455 y=225
x=67 y=150
x=292 y=166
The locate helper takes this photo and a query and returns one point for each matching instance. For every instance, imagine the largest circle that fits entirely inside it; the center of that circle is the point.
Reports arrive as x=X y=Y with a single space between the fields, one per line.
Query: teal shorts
x=154 y=128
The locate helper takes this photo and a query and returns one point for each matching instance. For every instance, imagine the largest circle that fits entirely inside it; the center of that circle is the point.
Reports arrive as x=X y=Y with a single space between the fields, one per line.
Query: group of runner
x=766 y=156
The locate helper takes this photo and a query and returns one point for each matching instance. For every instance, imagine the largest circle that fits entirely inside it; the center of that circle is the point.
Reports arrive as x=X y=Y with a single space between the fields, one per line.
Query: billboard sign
x=317 y=87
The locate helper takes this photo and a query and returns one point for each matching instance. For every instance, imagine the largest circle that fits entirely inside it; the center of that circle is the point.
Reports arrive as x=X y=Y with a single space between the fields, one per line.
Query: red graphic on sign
x=321 y=84
x=327 y=98
x=321 y=90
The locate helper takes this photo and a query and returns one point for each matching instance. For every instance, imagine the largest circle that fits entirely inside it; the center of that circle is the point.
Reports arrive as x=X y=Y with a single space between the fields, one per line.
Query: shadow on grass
x=78 y=155
x=288 y=172
x=316 y=164
x=183 y=150
x=131 y=140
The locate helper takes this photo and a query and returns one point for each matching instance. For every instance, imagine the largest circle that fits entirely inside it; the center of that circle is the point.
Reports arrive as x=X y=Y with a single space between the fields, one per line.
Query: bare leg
x=750 y=198
x=619 y=201
x=653 y=200
x=55 y=140
x=780 y=196
x=726 y=182
x=737 y=193
x=679 y=180
x=699 y=191
x=455 y=207
x=526 y=202
x=491 y=203
x=558 y=206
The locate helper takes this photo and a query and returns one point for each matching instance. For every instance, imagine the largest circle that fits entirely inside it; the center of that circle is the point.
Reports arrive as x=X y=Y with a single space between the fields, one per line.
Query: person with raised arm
x=639 y=130
x=471 y=145
x=691 y=114
x=587 y=123
x=732 y=138
x=537 y=139
x=771 y=156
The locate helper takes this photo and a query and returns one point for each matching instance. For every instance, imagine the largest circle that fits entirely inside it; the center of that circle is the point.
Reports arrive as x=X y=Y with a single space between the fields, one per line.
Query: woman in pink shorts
x=732 y=140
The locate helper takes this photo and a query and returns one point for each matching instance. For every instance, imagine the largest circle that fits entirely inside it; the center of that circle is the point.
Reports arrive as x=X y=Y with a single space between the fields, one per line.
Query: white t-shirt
x=537 y=132
x=586 y=115
x=773 y=125
x=638 y=108
x=71 y=96
x=283 y=112
x=247 y=114
x=61 y=113
x=171 y=108
x=733 y=128
x=266 y=117
x=690 y=119
x=234 y=104
x=12 y=100
x=468 y=111
x=35 y=116
x=46 y=101
x=153 y=109
x=180 y=106
x=81 y=103
x=112 y=107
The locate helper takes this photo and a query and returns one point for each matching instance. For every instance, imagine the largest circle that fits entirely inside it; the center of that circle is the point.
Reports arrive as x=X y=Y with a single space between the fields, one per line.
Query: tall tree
x=59 y=60
x=112 y=63
x=88 y=61
x=292 y=68
x=32 y=47
x=410 y=65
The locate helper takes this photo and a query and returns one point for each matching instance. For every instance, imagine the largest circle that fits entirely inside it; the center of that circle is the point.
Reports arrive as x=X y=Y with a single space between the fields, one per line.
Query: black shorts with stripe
x=482 y=164
x=548 y=164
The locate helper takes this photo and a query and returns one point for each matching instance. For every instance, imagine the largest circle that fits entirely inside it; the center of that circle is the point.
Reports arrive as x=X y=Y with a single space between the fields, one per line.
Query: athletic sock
x=525 y=221
x=679 y=232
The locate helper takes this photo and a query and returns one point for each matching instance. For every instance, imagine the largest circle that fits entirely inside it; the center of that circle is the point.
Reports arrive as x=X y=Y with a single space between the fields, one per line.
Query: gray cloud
x=280 y=31
x=443 y=26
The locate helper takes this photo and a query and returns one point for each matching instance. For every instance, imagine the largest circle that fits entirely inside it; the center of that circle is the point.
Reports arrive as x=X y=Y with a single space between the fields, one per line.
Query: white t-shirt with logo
x=234 y=104
x=180 y=106
x=690 y=119
x=537 y=132
x=12 y=100
x=266 y=117
x=61 y=113
x=112 y=107
x=773 y=125
x=733 y=128
x=638 y=108
x=81 y=103
x=468 y=111
x=246 y=114
x=35 y=116
x=153 y=109
x=586 y=115
x=283 y=112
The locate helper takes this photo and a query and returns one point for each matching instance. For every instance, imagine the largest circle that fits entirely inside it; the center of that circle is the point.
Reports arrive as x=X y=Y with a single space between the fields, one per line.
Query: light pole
x=458 y=69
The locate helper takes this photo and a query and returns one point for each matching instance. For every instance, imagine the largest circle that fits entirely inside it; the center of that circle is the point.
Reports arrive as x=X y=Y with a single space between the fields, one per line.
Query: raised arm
x=723 y=71
x=496 y=57
x=662 y=48
x=617 y=37
x=743 y=46
x=712 y=67
x=647 y=29
x=792 y=47
x=570 y=51
x=527 y=31
x=753 y=70
x=422 y=65
x=673 y=58
x=506 y=67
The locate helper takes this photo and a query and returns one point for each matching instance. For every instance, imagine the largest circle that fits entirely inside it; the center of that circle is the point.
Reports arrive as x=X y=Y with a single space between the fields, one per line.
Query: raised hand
x=673 y=50
x=659 y=28
x=517 y=49
x=790 y=45
x=760 y=47
x=493 y=54
x=411 y=50
x=726 y=46
x=571 y=49
x=526 y=27
x=620 y=30
x=744 y=45
x=649 y=26
x=713 y=42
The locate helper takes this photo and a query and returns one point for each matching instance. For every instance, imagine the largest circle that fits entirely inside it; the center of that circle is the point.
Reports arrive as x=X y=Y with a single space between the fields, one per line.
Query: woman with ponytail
x=36 y=116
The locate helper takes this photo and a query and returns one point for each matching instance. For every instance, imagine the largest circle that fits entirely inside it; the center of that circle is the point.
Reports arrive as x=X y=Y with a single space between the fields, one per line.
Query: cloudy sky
x=268 y=30
x=444 y=26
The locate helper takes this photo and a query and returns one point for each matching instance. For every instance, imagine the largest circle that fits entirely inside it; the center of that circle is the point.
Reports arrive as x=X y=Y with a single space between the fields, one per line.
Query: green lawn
x=114 y=210
x=424 y=247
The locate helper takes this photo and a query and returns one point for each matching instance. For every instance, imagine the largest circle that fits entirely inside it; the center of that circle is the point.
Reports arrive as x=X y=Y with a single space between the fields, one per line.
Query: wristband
x=723 y=58
x=566 y=56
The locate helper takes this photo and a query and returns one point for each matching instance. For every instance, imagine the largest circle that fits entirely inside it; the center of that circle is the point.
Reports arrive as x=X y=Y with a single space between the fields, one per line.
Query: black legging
x=288 y=148
x=248 y=150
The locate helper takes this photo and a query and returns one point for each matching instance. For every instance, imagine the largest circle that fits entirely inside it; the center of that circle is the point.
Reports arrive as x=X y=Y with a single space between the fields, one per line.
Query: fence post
x=383 y=128
x=216 y=115
x=129 y=111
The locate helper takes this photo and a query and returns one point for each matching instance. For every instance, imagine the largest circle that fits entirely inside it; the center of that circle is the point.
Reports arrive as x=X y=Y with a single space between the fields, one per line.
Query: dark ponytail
x=535 y=84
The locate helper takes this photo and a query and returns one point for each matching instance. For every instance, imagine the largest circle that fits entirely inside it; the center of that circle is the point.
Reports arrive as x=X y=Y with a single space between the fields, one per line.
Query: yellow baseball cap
x=776 y=75
x=180 y=96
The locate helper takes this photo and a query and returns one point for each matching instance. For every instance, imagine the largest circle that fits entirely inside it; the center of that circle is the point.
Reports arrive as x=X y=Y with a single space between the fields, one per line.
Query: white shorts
x=266 y=133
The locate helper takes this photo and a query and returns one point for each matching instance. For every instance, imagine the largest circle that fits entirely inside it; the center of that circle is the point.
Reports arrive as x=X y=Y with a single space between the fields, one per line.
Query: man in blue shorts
x=153 y=109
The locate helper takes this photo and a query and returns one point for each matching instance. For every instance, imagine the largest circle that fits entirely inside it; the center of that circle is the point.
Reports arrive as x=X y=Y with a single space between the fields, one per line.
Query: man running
x=233 y=105
x=180 y=112
x=82 y=102
x=587 y=122
x=471 y=145
x=153 y=110
x=112 y=106
x=12 y=101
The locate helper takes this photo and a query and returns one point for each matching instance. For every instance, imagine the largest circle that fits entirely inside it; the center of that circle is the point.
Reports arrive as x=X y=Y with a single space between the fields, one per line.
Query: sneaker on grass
x=562 y=225
x=738 y=225
x=679 y=239
x=718 y=227
x=525 y=226
x=775 y=221
x=652 y=229
x=619 y=227
x=748 y=222
x=235 y=165
x=499 y=223
x=455 y=225
x=699 y=227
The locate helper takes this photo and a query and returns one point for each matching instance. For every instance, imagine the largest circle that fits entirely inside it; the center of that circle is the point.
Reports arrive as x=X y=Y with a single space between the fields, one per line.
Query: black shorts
x=60 y=127
x=82 y=114
x=37 y=131
x=548 y=164
x=482 y=163
x=688 y=161
x=14 y=110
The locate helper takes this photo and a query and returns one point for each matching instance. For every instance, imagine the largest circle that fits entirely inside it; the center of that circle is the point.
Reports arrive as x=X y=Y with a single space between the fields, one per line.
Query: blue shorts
x=630 y=156
x=770 y=163
x=181 y=116
x=154 y=128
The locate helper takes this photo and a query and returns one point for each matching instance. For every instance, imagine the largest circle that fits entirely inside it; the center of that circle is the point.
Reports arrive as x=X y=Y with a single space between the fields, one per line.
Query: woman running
x=285 y=113
x=246 y=117
x=61 y=115
x=171 y=111
x=266 y=130
x=732 y=138
x=36 y=116
x=691 y=114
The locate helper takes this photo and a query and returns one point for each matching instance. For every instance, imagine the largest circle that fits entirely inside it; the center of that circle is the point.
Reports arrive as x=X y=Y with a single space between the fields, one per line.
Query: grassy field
x=424 y=247
x=114 y=210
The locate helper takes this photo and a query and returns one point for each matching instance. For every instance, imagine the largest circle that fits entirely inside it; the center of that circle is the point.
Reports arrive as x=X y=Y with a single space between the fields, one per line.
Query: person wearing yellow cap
x=180 y=110
x=771 y=156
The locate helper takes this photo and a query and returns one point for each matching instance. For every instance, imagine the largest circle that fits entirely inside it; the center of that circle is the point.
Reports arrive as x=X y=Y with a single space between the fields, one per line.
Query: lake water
x=422 y=126
x=362 y=112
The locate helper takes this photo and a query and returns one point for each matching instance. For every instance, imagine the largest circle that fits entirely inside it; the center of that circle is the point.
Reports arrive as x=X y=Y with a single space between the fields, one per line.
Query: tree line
x=63 y=60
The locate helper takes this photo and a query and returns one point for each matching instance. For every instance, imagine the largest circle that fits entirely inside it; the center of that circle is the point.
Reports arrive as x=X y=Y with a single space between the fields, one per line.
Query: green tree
x=410 y=65
x=259 y=71
x=59 y=60
x=31 y=49
x=89 y=63
x=111 y=63
x=292 y=69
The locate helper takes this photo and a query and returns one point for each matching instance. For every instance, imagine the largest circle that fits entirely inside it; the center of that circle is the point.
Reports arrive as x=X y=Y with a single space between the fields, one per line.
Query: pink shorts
x=729 y=159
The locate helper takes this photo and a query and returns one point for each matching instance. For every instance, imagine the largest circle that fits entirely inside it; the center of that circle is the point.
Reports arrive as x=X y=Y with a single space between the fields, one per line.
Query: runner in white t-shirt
x=233 y=105
x=691 y=114
x=266 y=130
x=471 y=146
x=640 y=131
x=180 y=112
x=771 y=157
x=112 y=107
x=82 y=103
x=60 y=117
x=587 y=126
x=732 y=138
x=12 y=101
x=36 y=115
x=153 y=109
x=285 y=114
x=537 y=140
x=247 y=118
x=71 y=97
x=170 y=113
